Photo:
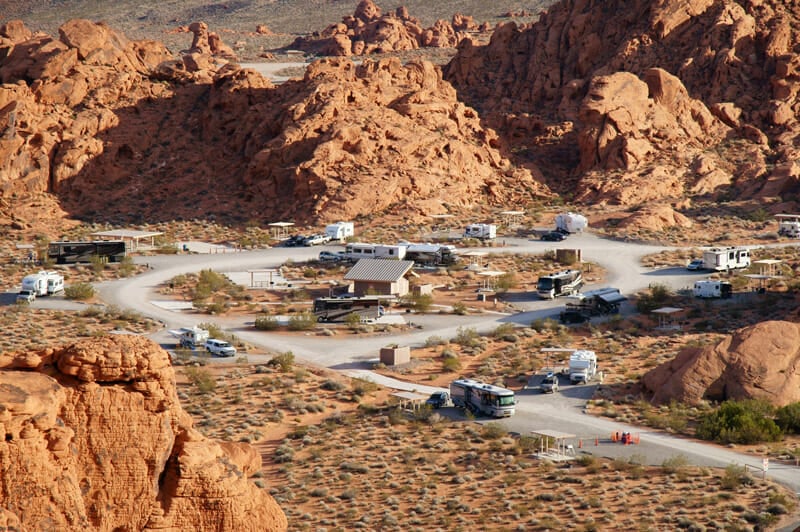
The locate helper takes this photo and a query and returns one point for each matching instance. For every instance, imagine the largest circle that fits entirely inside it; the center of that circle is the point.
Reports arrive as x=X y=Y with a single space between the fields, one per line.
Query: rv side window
x=506 y=400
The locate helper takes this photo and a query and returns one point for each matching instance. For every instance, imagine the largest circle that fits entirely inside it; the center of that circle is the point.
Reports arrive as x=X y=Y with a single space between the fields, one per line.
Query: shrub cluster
x=79 y=291
x=747 y=421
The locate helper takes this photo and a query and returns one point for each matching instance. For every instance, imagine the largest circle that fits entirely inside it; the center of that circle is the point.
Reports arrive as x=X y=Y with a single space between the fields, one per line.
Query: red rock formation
x=368 y=31
x=208 y=43
x=649 y=84
x=95 y=438
x=758 y=362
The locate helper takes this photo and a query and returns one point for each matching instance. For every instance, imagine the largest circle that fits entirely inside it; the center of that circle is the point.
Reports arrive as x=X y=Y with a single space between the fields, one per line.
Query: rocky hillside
x=758 y=362
x=95 y=438
x=630 y=102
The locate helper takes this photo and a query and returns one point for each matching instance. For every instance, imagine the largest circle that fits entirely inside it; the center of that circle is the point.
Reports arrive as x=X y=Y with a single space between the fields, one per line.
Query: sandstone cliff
x=369 y=31
x=95 y=438
x=657 y=99
x=758 y=362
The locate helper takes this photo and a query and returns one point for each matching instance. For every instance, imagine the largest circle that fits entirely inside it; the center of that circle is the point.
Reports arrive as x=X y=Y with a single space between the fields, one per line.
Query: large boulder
x=95 y=438
x=758 y=362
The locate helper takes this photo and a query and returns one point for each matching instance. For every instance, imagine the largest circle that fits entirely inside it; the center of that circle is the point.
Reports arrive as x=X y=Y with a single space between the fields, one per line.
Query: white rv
x=43 y=283
x=340 y=230
x=482 y=398
x=190 y=337
x=563 y=283
x=724 y=259
x=358 y=251
x=571 y=222
x=397 y=252
x=484 y=231
x=582 y=366
x=713 y=289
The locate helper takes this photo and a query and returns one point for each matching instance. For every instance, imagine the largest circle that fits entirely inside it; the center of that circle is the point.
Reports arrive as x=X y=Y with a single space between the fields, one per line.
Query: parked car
x=550 y=383
x=316 y=240
x=695 y=264
x=330 y=256
x=294 y=241
x=439 y=400
x=26 y=296
x=553 y=236
x=220 y=348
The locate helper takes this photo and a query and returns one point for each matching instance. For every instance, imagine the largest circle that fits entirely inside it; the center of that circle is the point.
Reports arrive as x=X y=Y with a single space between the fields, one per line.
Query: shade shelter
x=555 y=444
x=280 y=230
x=667 y=316
x=489 y=282
x=410 y=400
x=134 y=239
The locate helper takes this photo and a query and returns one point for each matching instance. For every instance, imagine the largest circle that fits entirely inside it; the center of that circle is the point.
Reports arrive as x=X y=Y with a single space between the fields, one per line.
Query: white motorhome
x=190 y=337
x=43 y=283
x=724 y=259
x=789 y=225
x=484 y=231
x=582 y=366
x=571 y=222
x=562 y=283
x=358 y=251
x=397 y=252
x=340 y=230
x=482 y=398
x=712 y=289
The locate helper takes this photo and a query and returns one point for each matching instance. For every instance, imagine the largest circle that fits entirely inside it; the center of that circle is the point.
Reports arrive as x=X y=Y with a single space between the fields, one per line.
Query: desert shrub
x=363 y=387
x=467 y=337
x=503 y=329
x=79 y=291
x=202 y=379
x=353 y=321
x=734 y=477
x=659 y=295
x=283 y=362
x=265 y=322
x=419 y=302
x=747 y=421
x=459 y=308
x=494 y=430
x=451 y=364
x=303 y=321
x=506 y=282
x=97 y=263
x=527 y=444
x=433 y=341
x=788 y=418
x=126 y=266
x=674 y=464
x=332 y=385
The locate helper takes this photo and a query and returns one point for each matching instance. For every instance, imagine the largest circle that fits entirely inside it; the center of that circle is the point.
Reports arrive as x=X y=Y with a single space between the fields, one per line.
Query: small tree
x=788 y=418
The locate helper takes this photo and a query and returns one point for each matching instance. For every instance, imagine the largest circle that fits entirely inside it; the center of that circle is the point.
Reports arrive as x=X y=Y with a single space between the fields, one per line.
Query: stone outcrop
x=369 y=31
x=651 y=87
x=95 y=438
x=758 y=362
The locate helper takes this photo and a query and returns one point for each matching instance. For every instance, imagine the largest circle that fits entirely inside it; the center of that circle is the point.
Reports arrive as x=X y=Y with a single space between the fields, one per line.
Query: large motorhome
x=358 y=251
x=582 y=366
x=562 y=283
x=482 y=398
x=571 y=222
x=431 y=254
x=337 y=308
x=592 y=303
x=482 y=231
x=724 y=259
x=72 y=252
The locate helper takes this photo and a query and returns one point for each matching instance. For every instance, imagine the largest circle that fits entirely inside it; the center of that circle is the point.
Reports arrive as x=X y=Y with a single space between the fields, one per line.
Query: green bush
x=126 y=266
x=284 y=361
x=503 y=329
x=459 y=308
x=451 y=364
x=788 y=418
x=494 y=430
x=734 y=477
x=79 y=291
x=419 y=302
x=466 y=336
x=353 y=321
x=202 y=379
x=302 y=322
x=659 y=296
x=506 y=282
x=747 y=421
x=265 y=322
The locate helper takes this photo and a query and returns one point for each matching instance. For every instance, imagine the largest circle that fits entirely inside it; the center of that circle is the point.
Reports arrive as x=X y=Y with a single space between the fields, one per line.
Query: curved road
x=562 y=411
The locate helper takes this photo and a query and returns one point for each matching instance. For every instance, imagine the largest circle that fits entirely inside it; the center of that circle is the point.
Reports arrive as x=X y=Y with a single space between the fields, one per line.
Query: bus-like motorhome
x=479 y=397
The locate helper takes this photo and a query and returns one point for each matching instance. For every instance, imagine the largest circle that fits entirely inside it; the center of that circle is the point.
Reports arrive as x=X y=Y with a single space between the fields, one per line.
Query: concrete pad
x=173 y=305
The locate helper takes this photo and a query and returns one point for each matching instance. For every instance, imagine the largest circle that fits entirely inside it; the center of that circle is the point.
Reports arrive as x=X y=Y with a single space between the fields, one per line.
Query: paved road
x=354 y=355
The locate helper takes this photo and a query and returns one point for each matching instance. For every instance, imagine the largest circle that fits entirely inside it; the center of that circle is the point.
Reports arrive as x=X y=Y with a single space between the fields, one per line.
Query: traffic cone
x=580 y=444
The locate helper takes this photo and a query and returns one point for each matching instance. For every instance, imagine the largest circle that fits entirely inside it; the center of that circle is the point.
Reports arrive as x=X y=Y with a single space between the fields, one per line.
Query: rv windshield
x=545 y=283
x=506 y=400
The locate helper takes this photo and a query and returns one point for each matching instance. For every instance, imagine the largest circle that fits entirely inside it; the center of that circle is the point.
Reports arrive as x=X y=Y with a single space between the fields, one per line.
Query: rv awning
x=612 y=297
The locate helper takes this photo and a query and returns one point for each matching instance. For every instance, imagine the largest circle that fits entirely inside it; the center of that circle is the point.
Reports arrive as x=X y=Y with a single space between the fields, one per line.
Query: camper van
x=340 y=230
x=582 y=366
x=713 y=289
x=482 y=231
x=482 y=398
x=724 y=259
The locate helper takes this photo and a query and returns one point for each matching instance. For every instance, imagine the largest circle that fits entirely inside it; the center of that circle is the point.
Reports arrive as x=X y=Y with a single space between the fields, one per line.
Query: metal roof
x=127 y=233
x=385 y=270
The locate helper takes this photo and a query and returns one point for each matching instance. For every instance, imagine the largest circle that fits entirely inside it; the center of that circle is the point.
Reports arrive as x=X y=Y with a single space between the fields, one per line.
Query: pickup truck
x=315 y=240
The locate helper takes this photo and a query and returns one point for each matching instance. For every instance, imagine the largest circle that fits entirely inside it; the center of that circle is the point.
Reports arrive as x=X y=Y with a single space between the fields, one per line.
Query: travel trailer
x=582 y=366
x=789 y=225
x=483 y=231
x=482 y=398
x=571 y=222
x=713 y=289
x=562 y=283
x=43 y=283
x=724 y=259
x=340 y=230
x=190 y=337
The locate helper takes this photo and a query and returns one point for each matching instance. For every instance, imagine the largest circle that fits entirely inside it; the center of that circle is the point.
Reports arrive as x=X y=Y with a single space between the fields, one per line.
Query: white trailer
x=724 y=259
x=483 y=231
x=571 y=222
x=789 y=225
x=43 y=283
x=713 y=289
x=190 y=337
x=582 y=366
x=340 y=230
x=482 y=398
x=359 y=250
x=397 y=252
x=562 y=283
